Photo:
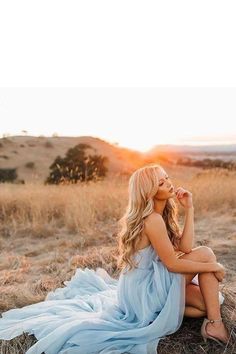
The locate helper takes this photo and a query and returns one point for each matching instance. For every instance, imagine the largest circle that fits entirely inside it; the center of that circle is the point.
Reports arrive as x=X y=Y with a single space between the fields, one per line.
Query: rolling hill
x=32 y=155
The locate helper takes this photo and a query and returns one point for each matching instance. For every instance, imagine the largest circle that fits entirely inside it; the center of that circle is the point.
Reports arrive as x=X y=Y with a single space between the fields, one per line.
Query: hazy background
x=137 y=118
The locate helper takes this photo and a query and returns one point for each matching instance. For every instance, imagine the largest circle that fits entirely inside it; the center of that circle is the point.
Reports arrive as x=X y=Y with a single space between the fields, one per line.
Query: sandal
x=205 y=335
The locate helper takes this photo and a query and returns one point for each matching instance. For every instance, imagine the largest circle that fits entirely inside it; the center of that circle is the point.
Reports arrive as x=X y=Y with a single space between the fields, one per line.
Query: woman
x=151 y=218
x=157 y=286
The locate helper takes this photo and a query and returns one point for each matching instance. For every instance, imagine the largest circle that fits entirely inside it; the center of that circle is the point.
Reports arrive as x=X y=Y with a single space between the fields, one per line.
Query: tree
x=8 y=175
x=77 y=166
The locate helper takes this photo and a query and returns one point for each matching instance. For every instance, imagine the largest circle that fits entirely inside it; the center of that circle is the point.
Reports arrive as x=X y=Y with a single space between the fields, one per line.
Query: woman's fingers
x=220 y=274
x=180 y=192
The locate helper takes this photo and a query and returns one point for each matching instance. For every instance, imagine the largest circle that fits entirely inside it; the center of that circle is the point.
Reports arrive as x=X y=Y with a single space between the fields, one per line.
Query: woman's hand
x=220 y=274
x=184 y=197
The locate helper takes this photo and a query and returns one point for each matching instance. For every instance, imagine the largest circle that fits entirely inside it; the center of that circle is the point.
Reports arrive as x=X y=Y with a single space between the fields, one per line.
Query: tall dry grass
x=214 y=190
x=34 y=208
x=38 y=208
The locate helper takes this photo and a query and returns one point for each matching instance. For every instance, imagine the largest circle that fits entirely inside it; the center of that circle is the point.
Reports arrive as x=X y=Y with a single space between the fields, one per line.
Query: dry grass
x=47 y=232
x=189 y=340
x=214 y=190
x=41 y=210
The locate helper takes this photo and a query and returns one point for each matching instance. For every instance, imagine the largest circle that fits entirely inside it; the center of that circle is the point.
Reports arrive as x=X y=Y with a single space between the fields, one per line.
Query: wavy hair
x=143 y=186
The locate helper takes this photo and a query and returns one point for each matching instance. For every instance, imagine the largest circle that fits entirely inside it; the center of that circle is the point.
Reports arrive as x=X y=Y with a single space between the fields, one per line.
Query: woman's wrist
x=190 y=207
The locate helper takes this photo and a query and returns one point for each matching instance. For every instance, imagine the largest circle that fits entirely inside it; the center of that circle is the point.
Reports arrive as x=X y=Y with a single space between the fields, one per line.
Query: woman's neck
x=159 y=206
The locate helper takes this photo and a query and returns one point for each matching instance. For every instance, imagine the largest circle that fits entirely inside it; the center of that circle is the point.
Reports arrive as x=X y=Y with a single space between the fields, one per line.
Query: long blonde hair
x=143 y=186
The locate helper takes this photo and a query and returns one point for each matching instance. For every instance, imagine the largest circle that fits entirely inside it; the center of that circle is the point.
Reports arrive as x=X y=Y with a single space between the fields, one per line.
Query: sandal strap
x=212 y=321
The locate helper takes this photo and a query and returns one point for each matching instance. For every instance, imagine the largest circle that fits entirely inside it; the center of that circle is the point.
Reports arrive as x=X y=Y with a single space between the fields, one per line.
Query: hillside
x=32 y=156
x=17 y=151
x=173 y=152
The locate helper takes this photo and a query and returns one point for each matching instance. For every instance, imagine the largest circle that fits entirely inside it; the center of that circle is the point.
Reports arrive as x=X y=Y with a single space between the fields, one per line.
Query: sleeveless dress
x=97 y=314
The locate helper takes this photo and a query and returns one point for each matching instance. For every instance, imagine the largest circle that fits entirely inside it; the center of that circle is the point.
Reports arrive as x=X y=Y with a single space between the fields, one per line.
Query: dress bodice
x=145 y=257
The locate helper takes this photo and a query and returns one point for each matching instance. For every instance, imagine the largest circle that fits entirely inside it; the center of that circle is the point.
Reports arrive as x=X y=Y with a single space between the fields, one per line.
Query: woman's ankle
x=216 y=324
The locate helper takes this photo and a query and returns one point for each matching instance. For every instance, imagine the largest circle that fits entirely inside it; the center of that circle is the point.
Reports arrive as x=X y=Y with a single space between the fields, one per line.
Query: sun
x=143 y=143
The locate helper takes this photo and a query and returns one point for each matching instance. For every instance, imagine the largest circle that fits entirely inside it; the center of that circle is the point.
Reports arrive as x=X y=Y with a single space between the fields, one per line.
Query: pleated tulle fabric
x=97 y=314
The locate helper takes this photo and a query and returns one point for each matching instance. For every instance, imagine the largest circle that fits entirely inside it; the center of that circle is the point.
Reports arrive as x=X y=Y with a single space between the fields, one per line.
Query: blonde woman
x=150 y=228
x=162 y=278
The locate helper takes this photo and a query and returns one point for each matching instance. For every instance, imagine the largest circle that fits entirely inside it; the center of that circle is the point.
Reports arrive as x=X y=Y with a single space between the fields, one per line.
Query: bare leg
x=194 y=298
x=209 y=286
x=191 y=311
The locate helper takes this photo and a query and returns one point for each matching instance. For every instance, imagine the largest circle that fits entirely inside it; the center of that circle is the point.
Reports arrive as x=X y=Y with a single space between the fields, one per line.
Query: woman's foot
x=218 y=330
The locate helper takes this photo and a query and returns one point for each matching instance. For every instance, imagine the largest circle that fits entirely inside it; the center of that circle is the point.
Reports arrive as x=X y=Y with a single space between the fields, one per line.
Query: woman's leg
x=191 y=311
x=194 y=298
x=209 y=286
x=198 y=254
x=195 y=305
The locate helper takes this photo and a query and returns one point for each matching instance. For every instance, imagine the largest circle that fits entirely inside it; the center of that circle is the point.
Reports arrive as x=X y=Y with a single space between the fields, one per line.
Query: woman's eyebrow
x=162 y=178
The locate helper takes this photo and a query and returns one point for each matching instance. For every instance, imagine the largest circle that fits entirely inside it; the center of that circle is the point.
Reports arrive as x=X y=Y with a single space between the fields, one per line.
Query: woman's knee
x=207 y=253
x=200 y=254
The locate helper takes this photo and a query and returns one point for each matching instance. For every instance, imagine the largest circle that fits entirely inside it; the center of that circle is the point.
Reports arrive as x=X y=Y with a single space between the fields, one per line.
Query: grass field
x=46 y=232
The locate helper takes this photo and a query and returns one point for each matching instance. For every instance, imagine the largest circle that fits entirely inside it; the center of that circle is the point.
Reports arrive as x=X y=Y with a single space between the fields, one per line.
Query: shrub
x=48 y=144
x=30 y=165
x=76 y=166
x=8 y=174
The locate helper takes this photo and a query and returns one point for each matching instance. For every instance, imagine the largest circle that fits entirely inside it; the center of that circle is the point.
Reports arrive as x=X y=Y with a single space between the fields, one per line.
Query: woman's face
x=166 y=188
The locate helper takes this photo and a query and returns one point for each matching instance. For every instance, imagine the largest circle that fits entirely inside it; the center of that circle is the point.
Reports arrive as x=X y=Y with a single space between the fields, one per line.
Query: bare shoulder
x=154 y=218
x=155 y=229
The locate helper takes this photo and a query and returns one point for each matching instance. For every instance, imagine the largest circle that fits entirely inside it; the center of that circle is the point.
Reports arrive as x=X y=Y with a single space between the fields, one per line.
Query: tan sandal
x=205 y=335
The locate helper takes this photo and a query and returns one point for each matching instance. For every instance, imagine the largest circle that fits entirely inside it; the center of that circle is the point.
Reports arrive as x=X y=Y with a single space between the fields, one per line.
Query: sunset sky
x=137 y=118
x=134 y=73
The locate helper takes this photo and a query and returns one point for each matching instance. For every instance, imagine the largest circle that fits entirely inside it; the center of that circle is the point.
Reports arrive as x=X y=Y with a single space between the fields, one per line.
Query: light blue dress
x=95 y=313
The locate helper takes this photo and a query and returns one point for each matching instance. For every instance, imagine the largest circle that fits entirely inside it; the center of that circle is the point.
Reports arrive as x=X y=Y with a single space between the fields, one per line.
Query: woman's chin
x=171 y=195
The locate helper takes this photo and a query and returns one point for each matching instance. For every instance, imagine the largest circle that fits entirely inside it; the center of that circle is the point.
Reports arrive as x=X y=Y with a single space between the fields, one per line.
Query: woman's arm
x=187 y=239
x=155 y=229
x=184 y=197
x=180 y=265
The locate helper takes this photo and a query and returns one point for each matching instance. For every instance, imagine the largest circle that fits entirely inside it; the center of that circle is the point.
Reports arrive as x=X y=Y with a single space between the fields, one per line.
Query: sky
x=117 y=43
x=136 y=73
x=137 y=118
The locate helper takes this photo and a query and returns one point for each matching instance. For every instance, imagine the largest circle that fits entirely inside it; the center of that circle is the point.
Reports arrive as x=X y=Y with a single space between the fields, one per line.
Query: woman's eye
x=167 y=177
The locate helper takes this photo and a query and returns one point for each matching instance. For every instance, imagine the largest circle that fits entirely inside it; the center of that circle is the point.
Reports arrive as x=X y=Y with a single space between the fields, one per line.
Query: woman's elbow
x=171 y=266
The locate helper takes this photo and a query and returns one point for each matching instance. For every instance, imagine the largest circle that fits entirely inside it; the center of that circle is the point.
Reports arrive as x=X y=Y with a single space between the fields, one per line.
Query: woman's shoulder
x=154 y=216
x=153 y=220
